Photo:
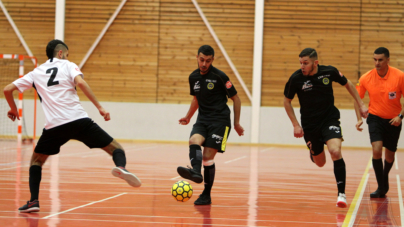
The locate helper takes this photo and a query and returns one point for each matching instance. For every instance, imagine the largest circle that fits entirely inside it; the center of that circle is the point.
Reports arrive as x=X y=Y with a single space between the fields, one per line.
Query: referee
x=385 y=85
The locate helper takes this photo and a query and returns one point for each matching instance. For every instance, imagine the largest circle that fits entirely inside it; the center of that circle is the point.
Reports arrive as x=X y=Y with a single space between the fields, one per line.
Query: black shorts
x=215 y=135
x=381 y=130
x=84 y=130
x=315 y=140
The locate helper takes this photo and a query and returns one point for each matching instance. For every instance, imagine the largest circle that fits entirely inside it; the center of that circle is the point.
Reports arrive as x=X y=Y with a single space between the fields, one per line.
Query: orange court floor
x=254 y=186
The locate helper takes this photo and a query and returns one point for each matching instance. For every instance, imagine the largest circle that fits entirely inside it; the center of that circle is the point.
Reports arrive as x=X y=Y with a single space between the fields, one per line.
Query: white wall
x=149 y=121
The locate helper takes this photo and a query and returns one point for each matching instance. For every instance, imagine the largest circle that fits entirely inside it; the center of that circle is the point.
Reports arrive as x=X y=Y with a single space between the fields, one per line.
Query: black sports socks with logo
x=119 y=158
x=340 y=174
x=195 y=155
x=35 y=176
x=209 y=178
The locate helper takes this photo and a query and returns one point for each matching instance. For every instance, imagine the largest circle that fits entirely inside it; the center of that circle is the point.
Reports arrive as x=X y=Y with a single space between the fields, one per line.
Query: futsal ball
x=181 y=191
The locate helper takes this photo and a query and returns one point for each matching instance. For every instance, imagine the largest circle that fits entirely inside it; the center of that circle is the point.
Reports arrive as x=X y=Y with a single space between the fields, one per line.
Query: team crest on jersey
x=307 y=86
x=197 y=86
x=392 y=95
x=211 y=86
x=326 y=81
x=228 y=84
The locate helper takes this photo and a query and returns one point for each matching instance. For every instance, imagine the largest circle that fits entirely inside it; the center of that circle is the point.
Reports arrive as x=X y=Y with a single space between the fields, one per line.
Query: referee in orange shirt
x=385 y=85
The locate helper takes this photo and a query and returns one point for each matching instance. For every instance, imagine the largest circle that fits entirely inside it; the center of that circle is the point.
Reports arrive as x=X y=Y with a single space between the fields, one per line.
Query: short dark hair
x=311 y=52
x=50 y=48
x=206 y=50
x=382 y=50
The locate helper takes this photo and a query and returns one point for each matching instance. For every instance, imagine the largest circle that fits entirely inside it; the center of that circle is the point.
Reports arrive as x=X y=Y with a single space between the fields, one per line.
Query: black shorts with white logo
x=315 y=140
x=84 y=130
x=215 y=135
x=381 y=130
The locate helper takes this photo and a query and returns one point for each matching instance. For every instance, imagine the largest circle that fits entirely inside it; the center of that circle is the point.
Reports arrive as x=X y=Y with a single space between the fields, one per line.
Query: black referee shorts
x=315 y=140
x=215 y=135
x=381 y=130
x=84 y=130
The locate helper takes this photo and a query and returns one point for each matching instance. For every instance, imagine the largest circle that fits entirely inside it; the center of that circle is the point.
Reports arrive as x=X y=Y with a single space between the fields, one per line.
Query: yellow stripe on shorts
x=225 y=139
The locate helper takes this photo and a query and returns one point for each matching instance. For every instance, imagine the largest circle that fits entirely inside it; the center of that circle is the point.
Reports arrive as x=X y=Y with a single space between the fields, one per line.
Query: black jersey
x=212 y=91
x=315 y=95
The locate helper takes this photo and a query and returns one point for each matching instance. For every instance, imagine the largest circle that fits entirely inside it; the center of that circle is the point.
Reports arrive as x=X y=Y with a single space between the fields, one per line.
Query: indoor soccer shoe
x=341 y=202
x=203 y=200
x=30 y=207
x=378 y=194
x=190 y=174
x=126 y=175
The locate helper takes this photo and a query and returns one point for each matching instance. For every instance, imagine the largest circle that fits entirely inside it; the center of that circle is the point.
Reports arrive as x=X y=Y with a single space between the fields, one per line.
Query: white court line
x=175 y=178
x=267 y=149
x=400 y=199
x=358 y=203
x=84 y=205
x=396 y=162
x=235 y=159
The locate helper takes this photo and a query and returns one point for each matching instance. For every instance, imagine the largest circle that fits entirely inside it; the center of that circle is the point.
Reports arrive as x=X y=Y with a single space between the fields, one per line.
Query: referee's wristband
x=400 y=116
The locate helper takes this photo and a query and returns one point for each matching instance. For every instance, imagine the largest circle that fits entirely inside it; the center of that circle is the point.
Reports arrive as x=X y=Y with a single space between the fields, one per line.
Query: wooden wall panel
x=150 y=49
x=123 y=67
x=182 y=32
x=331 y=27
x=35 y=21
x=382 y=25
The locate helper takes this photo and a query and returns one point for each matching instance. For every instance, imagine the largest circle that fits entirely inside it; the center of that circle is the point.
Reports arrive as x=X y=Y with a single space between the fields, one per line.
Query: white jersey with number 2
x=54 y=82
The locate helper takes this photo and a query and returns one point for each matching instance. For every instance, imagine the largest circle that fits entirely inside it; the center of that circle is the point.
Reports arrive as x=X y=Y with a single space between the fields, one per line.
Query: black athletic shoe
x=378 y=194
x=190 y=174
x=30 y=207
x=203 y=200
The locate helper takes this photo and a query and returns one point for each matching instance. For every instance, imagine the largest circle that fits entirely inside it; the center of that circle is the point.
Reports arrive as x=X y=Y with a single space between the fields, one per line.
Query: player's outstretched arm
x=82 y=84
x=354 y=93
x=8 y=93
x=194 y=106
x=297 y=129
x=237 y=110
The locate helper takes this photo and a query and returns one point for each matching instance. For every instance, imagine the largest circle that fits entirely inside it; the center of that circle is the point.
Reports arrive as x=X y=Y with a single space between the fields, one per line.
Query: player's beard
x=203 y=71
x=312 y=69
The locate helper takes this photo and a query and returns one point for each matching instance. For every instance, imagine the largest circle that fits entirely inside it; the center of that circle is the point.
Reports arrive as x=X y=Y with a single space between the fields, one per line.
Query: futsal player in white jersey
x=55 y=82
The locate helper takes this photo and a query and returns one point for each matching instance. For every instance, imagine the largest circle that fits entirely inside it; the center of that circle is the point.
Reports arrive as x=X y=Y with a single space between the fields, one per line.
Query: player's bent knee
x=207 y=162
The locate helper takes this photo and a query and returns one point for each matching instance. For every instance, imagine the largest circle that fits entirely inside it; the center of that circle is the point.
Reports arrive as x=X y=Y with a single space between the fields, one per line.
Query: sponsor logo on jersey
x=211 y=86
x=228 y=84
x=326 y=81
x=211 y=81
x=307 y=86
x=340 y=73
x=392 y=95
x=77 y=69
x=322 y=76
x=197 y=86
x=334 y=128
x=214 y=136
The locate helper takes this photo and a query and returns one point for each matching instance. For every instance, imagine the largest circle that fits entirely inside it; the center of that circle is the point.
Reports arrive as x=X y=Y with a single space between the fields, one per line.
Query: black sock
x=35 y=176
x=119 y=158
x=340 y=174
x=386 y=171
x=378 y=167
x=209 y=178
x=195 y=155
